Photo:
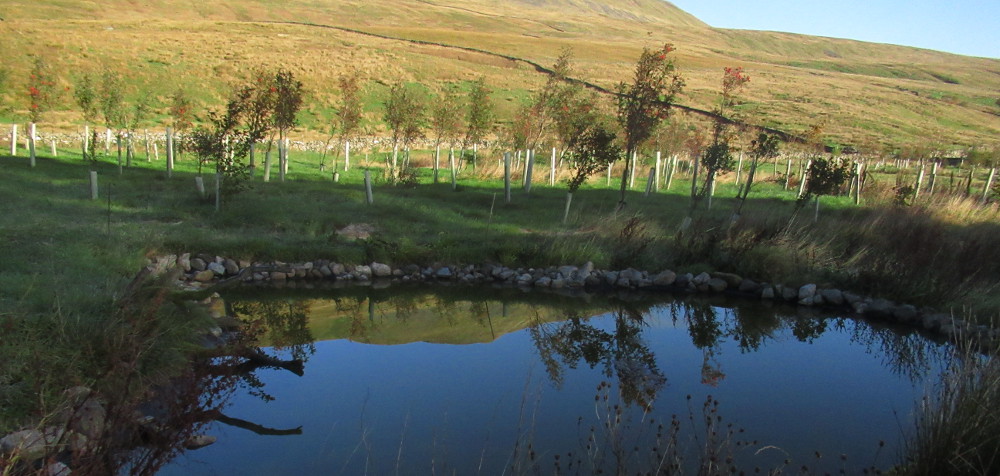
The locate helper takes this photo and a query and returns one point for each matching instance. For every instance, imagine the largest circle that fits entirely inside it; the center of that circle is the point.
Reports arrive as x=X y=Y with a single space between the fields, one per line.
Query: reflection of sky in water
x=450 y=407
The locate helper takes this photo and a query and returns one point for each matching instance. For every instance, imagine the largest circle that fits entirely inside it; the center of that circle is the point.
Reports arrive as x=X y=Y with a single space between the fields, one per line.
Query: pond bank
x=204 y=272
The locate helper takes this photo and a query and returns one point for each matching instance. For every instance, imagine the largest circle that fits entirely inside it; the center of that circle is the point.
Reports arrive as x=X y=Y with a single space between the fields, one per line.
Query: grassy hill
x=863 y=94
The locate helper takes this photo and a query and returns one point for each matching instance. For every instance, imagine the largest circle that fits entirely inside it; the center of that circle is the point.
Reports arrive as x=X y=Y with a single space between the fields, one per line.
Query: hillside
x=863 y=94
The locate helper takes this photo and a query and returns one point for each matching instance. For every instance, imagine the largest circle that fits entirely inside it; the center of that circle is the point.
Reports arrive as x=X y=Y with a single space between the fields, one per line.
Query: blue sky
x=968 y=27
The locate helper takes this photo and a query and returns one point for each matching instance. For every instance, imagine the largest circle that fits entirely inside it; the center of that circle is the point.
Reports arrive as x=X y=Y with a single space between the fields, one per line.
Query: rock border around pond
x=202 y=270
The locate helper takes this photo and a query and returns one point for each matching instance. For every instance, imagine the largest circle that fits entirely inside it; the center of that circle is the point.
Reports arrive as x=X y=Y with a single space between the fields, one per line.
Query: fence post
x=989 y=183
x=53 y=148
x=506 y=177
x=368 y=188
x=13 y=140
x=170 y=152
x=658 y=171
x=347 y=155
x=31 y=143
x=437 y=162
x=529 y=167
x=552 y=169
x=93 y=185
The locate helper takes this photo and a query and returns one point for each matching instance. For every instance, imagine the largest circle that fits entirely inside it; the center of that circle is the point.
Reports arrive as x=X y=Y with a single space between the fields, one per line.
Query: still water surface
x=456 y=381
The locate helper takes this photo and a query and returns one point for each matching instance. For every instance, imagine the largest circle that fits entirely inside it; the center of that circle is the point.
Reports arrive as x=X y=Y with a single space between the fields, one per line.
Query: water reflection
x=626 y=348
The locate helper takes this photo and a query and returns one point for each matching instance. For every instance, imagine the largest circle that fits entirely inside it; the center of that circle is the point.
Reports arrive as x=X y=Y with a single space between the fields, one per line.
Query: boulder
x=543 y=282
x=278 y=276
x=381 y=270
x=748 y=286
x=665 y=278
x=29 y=445
x=789 y=293
x=906 y=314
x=806 y=292
x=443 y=272
x=732 y=281
x=217 y=268
x=568 y=272
x=702 y=278
x=204 y=276
x=362 y=272
x=767 y=293
x=717 y=285
x=184 y=261
x=198 y=264
x=230 y=267
x=585 y=270
x=832 y=296
x=879 y=307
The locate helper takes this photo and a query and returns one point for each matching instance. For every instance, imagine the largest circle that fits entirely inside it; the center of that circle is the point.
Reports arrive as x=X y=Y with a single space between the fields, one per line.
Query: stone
x=278 y=276
x=381 y=270
x=56 y=469
x=558 y=283
x=732 y=280
x=832 y=296
x=568 y=272
x=683 y=279
x=665 y=278
x=767 y=293
x=524 y=280
x=87 y=414
x=789 y=293
x=204 y=276
x=337 y=269
x=701 y=278
x=198 y=264
x=717 y=285
x=851 y=298
x=585 y=270
x=748 y=286
x=806 y=292
x=315 y=274
x=199 y=441
x=184 y=261
x=611 y=277
x=217 y=268
x=362 y=271
x=29 y=445
x=543 y=282
x=879 y=307
x=230 y=266
x=443 y=272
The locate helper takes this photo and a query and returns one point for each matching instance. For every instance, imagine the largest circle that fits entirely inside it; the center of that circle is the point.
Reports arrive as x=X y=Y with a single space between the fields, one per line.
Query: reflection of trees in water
x=621 y=353
x=908 y=354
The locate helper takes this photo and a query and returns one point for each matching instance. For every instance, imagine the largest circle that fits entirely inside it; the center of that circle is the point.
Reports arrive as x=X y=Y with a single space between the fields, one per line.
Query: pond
x=463 y=380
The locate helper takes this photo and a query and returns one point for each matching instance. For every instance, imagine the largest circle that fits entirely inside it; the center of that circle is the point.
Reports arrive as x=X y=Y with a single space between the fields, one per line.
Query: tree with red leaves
x=645 y=103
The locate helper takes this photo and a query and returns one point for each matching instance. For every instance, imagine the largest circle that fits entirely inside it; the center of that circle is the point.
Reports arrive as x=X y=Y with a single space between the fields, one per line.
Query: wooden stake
x=93 y=185
x=170 y=152
x=368 y=188
x=506 y=177
x=13 y=140
x=31 y=143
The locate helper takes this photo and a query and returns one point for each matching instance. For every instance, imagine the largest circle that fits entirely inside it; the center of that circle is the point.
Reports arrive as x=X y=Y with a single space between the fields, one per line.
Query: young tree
x=536 y=119
x=825 y=177
x=480 y=115
x=350 y=112
x=764 y=147
x=181 y=110
x=42 y=89
x=404 y=114
x=446 y=118
x=718 y=157
x=646 y=102
x=288 y=97
x=590 y=151
x=86 y=97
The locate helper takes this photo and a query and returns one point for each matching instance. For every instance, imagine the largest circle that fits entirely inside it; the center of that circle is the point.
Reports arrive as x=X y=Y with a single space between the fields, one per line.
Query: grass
x=160 y=47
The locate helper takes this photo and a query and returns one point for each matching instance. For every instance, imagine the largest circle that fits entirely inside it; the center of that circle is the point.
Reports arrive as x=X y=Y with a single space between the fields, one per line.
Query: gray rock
x=230 y=267
x=198 y=264
x=217 y=268
x=732 y=281
x=789 y=293
x=683 y=279
x=717 y=285
x=665 y=278
x=585 y=270
x=558 y=283
x=204 y=276
x=880 y=307
x=568 y=272
x=411 y=269
x=507 y=274
x=337 y=269
x=524 y=279
x=184 y=261
x=767 y=293
x=86 y=414
x=623 y=282
x=543 y=282
x=381 y=270
x=278 y=276
x=832 y=296
x=56 y=469
x=611 y=277
x=701 y=278
x=851 y=298
x=29 y=445
x=807 y=292
x=443 y=273
x=362 y=272
x=748 y=286
x=326 y=271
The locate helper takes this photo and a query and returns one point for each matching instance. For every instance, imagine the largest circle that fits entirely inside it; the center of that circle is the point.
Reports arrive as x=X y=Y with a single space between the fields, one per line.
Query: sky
x=967 y=27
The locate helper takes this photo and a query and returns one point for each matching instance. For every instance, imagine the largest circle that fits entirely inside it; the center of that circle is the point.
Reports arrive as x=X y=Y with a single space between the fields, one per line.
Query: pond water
x=454 y=380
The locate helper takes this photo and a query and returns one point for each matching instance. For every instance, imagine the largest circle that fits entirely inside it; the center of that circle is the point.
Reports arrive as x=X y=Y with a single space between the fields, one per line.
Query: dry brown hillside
x=863 y=94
